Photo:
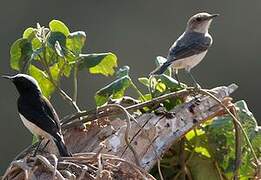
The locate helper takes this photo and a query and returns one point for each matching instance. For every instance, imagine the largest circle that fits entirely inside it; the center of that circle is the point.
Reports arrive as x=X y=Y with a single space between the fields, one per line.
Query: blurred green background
x=136 y=31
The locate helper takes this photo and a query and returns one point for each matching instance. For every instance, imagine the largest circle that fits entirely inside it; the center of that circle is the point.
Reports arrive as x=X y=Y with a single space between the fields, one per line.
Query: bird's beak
x=213 y=16
x=7 y=77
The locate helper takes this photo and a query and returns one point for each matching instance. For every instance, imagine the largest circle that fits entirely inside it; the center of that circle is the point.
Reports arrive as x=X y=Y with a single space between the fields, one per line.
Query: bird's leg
x=197 y=86
x=46 y=144
x=37 y=147
x=176 y=75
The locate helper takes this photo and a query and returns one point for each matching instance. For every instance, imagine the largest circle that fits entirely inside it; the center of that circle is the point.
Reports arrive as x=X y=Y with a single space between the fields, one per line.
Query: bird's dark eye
x=198 y=19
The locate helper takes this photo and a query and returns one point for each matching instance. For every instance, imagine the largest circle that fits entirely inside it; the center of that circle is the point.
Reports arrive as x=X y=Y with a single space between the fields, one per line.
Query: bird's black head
x=25 y=84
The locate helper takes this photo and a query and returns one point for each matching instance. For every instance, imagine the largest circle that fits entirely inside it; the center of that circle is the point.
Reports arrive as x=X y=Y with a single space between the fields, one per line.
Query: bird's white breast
x=33 y=128
x=188 y=62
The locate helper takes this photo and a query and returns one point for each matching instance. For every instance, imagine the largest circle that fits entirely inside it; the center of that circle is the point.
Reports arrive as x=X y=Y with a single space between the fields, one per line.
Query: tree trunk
x=122 y=143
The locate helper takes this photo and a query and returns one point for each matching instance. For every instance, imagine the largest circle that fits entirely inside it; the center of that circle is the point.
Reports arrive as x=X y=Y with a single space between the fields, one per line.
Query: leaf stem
x=57 y=86
x=218 y=170
x=238 y=145
x=137 y=90
x=75 y=83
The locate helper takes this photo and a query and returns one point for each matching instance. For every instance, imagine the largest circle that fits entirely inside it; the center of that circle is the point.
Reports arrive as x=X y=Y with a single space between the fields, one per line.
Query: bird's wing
x=49 y=109
x=192 y=45
x=40 y=113
x=189 y=45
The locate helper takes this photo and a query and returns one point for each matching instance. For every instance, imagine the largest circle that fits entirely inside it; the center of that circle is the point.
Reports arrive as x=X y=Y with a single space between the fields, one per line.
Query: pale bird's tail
x=161 y=69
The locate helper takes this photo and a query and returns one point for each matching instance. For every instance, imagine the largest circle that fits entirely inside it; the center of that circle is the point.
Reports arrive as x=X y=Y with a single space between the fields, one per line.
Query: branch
x=105 y=111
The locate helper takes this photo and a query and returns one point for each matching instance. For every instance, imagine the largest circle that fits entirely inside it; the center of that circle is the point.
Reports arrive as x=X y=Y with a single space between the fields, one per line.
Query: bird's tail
x=161 y=69
x=61 y=147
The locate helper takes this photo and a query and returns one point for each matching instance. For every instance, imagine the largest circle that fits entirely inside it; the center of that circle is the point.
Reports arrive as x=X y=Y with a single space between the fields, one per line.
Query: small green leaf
x=114 y=90
x=36 y=44
x=102 y=63
x=29 y=33
x=202 y=151
x=145 y=81
x=171 y=85
x=191 y=134
x=169 y=82
x=147 y=97
x=160 y=61
x=58 y=26
x=123 y=71
x=221 y=142
x=21 y=52
x=75 y=41
x=44 y=83
x=161 y=87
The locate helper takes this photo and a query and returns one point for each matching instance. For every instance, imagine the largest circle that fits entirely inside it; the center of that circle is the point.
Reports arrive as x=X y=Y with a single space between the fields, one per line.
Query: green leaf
x=254 y=133
x=202 y=168
x=145 y=81
x=102 y=63
x=161 y=87
x=64 y=67
x=43 y=81
x=114 y=90
x=147 y=97
x=75 y=41
x=123 y=71
x=171 y=83
x=58 y=26
x=29 y=33
x=21 y=52
x=222 y=141
x=191 y=134
x=202 y=151
x=57 y=36
x=36 y=44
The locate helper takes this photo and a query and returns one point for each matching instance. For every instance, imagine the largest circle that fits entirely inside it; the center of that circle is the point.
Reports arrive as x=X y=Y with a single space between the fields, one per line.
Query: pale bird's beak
x=213 y=16
x=7 y=77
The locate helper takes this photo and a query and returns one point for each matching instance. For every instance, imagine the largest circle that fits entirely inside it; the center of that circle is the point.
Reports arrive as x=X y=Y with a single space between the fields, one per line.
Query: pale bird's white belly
x=34 y=129
x=189 y=62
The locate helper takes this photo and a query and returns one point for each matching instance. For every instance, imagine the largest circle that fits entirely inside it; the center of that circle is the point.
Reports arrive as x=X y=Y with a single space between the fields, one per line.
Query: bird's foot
x=37 y=147
x=46 y=144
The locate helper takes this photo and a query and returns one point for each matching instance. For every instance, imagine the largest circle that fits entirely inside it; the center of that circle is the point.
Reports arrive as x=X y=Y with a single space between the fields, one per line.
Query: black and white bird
x=191 y=47
x=36 y=112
